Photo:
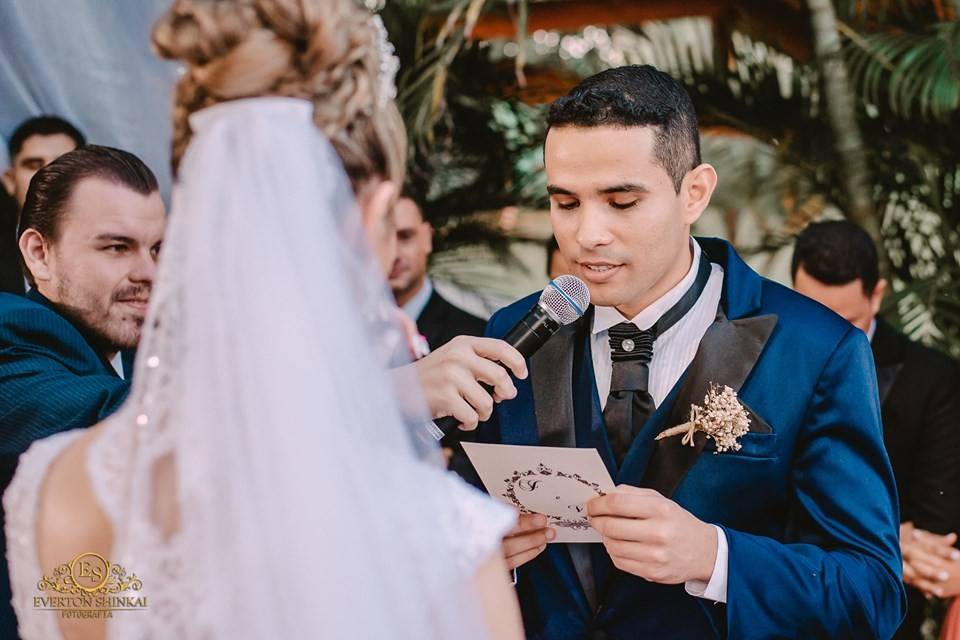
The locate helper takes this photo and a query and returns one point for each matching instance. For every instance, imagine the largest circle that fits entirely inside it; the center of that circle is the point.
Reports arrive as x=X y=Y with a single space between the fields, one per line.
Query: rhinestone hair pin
x=389 y=64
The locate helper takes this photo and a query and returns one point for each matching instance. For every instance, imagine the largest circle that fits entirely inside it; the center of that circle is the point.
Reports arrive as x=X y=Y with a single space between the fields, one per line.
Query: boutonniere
x=721 y=417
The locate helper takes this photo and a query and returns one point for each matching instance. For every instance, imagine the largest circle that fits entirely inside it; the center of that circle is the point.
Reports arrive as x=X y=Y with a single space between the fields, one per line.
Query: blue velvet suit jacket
x=51 y=380
x=808 y=504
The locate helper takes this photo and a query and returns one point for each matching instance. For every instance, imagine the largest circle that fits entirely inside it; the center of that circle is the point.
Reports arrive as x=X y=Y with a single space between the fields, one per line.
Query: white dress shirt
x=672 y=354
x=117 y=363
x=418 y=302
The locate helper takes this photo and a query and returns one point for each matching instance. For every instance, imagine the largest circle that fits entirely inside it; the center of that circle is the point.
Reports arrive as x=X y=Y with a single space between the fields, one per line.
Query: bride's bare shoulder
x=70 y=520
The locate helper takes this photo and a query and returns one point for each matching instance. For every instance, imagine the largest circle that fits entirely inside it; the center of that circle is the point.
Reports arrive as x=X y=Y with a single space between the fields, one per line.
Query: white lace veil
x=305 y=507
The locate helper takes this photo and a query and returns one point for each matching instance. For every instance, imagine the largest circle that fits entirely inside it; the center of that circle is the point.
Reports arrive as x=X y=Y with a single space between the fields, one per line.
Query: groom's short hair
x=637 y=96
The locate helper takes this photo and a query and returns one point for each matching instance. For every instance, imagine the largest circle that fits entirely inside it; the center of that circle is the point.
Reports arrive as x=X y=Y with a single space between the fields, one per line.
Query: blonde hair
x=325 y=51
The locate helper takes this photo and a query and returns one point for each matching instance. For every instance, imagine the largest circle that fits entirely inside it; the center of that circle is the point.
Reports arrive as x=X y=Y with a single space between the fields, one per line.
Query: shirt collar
x=418 y=302
x=606 y=317
x=117 y=363
x=872 y=329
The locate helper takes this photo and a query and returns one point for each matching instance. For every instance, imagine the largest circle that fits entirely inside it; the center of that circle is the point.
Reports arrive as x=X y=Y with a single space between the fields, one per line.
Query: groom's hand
x=451 y=377
x=653 y=537
x=527 y=540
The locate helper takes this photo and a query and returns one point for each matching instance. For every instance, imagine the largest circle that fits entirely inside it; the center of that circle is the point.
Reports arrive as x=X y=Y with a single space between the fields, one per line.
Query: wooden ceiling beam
x=572 y=15
x=781 y=23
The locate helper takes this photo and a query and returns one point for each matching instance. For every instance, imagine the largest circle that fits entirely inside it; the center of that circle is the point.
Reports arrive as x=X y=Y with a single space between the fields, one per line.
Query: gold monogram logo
x=89 y=573
x=90 y=586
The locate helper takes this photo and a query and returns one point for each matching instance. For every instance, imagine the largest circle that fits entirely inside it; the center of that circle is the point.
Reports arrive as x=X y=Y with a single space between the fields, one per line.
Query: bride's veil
x=275 y=491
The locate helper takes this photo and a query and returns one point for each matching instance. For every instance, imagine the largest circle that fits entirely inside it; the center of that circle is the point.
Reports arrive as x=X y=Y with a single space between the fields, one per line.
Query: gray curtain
x=90 y=62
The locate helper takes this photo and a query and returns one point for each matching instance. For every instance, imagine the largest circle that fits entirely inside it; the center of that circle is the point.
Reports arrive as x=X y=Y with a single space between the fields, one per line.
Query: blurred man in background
x=33 y=145
x=836 y=264
x=437 y=319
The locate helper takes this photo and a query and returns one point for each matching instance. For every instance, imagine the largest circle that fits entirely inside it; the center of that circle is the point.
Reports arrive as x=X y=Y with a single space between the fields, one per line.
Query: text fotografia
x=90 y=586
x=93 y=607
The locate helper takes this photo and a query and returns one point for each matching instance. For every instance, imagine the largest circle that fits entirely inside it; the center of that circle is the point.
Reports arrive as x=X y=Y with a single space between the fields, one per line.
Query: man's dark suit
x=440 y=322
x=51 y=380
x=920 y=400
x=11 y=274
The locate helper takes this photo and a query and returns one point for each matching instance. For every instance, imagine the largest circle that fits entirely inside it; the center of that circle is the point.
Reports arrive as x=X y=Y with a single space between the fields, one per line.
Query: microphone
x=563 y=301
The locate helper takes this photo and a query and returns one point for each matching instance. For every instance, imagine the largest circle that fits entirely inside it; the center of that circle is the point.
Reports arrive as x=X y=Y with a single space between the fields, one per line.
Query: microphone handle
x=527 y=336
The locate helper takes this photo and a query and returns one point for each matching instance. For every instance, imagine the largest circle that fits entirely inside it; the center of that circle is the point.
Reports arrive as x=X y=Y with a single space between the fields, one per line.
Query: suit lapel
x=591 y=429
x=551 y=378
x=888 y=354
x=886 y=377
x=433 y=317
x=127 y=358
x=726 y=356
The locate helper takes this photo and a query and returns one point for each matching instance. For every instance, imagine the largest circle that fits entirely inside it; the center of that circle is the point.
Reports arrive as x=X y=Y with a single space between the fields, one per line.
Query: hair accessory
x=389 y=64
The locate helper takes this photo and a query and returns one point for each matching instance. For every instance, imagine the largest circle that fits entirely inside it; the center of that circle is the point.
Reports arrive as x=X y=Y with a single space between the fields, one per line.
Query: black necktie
x=630 y=404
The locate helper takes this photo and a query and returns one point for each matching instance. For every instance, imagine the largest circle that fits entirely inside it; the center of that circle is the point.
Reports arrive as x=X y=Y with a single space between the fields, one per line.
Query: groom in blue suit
x=791 y=532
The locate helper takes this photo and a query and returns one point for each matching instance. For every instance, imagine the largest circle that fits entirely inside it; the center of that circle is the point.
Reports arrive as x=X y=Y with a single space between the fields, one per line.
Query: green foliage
x=476 y=147
x=915 y=73
x=463 y=158
x=522 y=129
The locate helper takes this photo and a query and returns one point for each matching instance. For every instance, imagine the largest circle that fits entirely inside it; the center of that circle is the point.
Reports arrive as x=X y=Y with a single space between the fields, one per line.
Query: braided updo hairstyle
x=325 y=51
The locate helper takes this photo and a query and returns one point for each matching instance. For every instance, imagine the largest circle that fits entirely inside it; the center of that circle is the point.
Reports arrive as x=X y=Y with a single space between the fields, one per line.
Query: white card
x=554 y=481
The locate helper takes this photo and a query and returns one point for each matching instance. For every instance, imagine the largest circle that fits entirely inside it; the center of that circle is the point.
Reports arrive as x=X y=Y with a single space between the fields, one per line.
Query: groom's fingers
x=629 y=529
x=633 y=503
x=631 y=566
x=615 y=527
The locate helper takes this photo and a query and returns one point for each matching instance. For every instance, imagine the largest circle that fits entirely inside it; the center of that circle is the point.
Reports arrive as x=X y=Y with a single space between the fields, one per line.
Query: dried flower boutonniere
x=721 y=417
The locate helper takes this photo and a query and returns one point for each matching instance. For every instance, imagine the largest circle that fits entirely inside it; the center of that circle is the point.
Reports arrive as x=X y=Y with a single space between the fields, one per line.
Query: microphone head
x=565 y=298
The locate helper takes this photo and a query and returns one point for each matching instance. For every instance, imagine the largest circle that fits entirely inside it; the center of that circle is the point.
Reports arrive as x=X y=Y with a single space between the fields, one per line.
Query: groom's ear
x=696 y=190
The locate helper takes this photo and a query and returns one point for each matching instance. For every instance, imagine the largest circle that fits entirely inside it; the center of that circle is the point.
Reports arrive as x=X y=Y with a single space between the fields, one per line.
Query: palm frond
x=927 y=311
x=915 y=73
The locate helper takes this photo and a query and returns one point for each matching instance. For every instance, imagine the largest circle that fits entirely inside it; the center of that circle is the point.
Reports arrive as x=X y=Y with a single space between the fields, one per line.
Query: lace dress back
x=20 y=506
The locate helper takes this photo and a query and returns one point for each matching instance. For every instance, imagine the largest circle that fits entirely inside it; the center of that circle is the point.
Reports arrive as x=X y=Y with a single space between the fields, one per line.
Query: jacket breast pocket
x=759 y=442
x=752 y=445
